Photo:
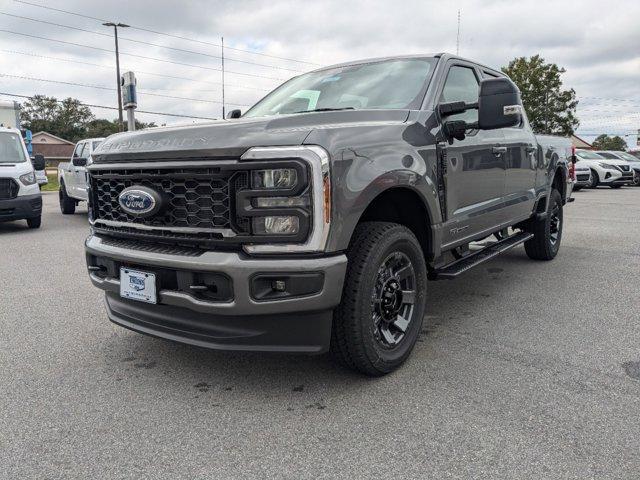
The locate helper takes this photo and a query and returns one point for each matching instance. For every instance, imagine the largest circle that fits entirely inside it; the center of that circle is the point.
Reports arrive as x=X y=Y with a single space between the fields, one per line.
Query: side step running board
x=458 y=267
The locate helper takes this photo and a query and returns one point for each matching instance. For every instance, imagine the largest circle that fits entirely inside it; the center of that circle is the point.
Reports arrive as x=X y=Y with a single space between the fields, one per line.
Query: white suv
x=634 y=162
x=611 y=172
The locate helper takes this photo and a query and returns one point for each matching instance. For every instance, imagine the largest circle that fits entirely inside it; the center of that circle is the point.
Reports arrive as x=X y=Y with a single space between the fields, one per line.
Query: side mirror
x=499 y=104
x=79 y=162
x=38 y=162
x=234 y=114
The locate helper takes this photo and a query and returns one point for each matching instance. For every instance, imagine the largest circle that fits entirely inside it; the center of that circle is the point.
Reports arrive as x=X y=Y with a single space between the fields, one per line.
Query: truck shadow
x=200 y=371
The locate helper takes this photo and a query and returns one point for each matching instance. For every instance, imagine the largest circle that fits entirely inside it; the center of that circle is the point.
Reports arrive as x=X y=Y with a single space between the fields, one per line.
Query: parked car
x=610 y=172
x=20 y=197
x=41 y=177
x=313 y=222
x=634 y=162
x=583 y=176
x=72 y=176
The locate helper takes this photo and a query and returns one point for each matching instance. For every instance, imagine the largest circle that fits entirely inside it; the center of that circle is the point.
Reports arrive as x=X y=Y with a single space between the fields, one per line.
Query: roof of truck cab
x=442 y=55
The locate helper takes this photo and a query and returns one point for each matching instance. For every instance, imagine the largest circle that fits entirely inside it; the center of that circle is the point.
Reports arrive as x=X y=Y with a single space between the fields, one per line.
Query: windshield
x=626 y=156
x=608 y=155
x=588 y=155
x=94 y=145
x=11 y=150
x=387 y=84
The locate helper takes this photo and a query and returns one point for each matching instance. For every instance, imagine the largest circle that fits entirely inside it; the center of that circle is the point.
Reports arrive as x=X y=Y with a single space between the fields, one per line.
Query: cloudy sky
x=597 y=43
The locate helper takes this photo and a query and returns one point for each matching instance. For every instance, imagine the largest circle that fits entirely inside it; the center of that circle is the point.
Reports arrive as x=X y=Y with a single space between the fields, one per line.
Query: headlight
x=283 y=178
x=608 y=166
x=291 y=200
x=28 y=179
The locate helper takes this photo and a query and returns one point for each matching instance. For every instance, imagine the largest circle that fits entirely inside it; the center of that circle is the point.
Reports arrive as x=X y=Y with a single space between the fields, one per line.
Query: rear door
x=475 y=174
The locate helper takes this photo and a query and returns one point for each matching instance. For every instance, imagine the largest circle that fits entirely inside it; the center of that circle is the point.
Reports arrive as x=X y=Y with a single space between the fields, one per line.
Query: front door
x=475 y=175
x=80 y=173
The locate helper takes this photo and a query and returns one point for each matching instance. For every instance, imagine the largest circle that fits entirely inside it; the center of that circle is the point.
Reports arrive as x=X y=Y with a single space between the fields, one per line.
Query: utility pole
x=115 y=32
x=223 y=112
x=458 y=36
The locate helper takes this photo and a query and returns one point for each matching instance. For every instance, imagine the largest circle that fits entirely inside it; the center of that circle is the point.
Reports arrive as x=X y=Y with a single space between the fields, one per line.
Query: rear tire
x=547 y=232
x=67 y=204
x=34 y=222
x=595 y=180
x=379 y=319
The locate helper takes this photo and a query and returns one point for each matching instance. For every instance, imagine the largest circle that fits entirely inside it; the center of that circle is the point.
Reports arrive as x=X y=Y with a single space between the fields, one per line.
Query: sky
x=270 y=41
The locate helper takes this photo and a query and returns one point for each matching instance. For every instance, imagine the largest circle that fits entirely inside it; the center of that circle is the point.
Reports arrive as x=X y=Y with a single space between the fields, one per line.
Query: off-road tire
x=542 y=246
x=353 y=337
x=34 y=222
x=67 y=204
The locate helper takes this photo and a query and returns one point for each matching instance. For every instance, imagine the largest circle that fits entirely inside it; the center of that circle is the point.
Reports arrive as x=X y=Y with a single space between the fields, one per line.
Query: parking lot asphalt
x=523 y=370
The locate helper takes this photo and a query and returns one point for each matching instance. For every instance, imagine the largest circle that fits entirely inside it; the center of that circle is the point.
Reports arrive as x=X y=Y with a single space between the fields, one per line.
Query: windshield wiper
x=326 y=109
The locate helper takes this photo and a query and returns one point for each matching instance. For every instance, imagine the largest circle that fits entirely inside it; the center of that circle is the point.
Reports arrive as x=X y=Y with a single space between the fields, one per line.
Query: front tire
x=34 y=222
x=67 y=204
x=379 y=319
x=595 y=180
x=547 y=232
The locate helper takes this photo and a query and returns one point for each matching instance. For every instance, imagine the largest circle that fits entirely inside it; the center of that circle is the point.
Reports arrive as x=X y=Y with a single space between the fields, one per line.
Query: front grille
x=624 y=168
x=8 y=188
x=197 y=202
x=583 y=177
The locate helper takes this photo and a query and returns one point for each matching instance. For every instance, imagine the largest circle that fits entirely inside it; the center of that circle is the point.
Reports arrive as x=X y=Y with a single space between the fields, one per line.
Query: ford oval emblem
x=140 y=201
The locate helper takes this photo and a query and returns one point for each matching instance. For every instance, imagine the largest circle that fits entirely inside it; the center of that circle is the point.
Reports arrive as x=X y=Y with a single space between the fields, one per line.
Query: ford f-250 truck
x=313 y=221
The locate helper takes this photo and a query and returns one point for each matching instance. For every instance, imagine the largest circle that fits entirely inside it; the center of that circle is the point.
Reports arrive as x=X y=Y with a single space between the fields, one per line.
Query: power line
x=59 y=59
x=138 y=56
x=115 y=108
x=100 y=87
x=149 y=43
x=168 y=34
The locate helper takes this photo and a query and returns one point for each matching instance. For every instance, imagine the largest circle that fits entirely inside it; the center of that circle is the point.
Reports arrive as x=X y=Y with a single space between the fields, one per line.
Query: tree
x=102 y=127
x=66 y=119
x=550 y=109
x=605 y=142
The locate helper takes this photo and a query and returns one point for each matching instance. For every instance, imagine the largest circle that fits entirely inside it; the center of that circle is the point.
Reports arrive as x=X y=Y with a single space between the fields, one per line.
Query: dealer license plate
x=137 y=285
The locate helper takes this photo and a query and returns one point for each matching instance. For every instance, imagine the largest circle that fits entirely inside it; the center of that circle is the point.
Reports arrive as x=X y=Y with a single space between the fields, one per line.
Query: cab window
x=461 y=85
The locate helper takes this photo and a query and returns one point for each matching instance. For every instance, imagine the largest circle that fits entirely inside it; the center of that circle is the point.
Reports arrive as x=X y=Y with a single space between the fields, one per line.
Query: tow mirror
x=234 y=114
x=79 y=162
x=499 y=104
x=38 y=162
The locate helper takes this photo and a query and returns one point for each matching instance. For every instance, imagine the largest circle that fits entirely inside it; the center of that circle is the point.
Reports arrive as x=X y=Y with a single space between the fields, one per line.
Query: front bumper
x=612 y=177
x=21 y=208
x=247 y=320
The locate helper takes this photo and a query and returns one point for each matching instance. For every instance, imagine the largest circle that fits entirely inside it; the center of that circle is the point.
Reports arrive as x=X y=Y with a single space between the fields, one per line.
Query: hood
x=231 y=138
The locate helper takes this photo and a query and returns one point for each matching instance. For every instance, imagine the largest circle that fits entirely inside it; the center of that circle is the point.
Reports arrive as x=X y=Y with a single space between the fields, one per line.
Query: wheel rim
x=393 y=299
x=555 y=225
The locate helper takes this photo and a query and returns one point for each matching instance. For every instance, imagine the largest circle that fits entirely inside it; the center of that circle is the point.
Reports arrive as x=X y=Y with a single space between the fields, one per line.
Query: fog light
x=278 y=285
x=279 y=225
x=275 y=178
x=265 y=202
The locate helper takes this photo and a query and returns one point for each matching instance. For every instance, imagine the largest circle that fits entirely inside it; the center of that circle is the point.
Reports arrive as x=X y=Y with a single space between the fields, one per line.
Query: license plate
x=137 y=285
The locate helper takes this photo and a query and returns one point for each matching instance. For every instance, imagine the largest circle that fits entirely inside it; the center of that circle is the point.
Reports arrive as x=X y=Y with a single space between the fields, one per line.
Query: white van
x=20 y=197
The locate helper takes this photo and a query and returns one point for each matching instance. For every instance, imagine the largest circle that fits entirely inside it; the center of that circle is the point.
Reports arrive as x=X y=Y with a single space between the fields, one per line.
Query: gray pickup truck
x=313 y=221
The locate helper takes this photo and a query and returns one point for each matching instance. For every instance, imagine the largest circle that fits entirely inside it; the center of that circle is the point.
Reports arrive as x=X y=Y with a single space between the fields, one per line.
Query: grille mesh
x=8 y=188
x=194 y=197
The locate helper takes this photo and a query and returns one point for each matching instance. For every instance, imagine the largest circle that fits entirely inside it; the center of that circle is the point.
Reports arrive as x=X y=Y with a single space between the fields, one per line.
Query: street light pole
x=115 y=32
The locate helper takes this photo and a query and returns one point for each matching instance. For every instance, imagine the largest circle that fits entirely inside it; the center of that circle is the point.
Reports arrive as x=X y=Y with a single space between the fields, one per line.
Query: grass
x=53 y=185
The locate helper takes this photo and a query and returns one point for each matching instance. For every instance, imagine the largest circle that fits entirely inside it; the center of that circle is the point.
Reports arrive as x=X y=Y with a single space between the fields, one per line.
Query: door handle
x=499 y=150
